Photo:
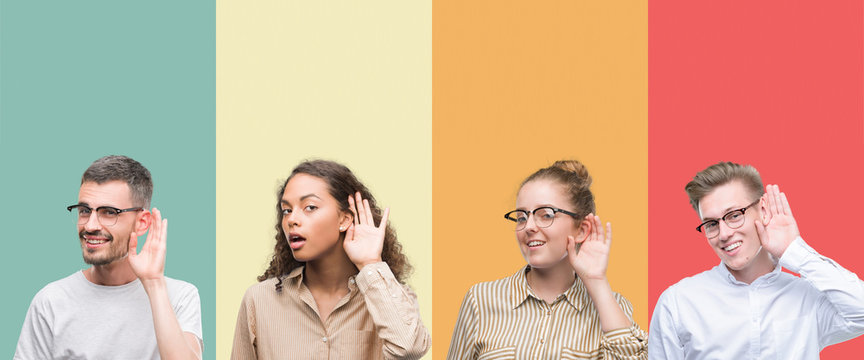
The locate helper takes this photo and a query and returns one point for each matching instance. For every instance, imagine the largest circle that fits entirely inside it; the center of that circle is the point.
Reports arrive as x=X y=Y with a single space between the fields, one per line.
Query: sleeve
x=627 y=343
x=37 y=337
x=463 y=343
x=663 y=341
x=187 y=308
x=840 y=313
x=395 y=312
x=245 y=341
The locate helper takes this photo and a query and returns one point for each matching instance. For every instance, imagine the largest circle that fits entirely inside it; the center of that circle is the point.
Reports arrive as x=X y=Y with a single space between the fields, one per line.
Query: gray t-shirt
x=73 y=318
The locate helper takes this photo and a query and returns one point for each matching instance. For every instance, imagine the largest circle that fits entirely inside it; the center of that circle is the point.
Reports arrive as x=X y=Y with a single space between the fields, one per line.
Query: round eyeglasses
x=107 y=215
x=543 y=216
x=734 y=219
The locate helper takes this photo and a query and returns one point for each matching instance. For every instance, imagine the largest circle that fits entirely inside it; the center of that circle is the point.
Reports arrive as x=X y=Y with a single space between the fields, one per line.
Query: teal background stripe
x=82 y=79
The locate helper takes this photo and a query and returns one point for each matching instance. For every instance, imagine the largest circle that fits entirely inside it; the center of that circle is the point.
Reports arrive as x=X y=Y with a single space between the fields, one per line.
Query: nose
x=290 y=219
x=93 y=223
x=530 y=224
x=725 y=231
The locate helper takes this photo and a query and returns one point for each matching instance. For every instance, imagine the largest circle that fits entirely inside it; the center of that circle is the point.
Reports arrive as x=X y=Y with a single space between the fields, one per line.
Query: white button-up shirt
x=779 y=316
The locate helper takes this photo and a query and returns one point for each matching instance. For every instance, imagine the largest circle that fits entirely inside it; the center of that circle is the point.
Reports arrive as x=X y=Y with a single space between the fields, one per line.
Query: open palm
x=363 y=240
x=592 y=258
x=150 y=262
x=778 y=229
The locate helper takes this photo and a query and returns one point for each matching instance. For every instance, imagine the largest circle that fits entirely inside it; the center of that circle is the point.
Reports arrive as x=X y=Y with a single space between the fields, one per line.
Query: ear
x=345 y=220
x=142 y=222
x=585 y=227
x=764 y=214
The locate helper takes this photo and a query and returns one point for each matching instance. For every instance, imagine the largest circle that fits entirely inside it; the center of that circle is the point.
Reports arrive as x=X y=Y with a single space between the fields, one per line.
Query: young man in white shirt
x=123 y=307
x=746 y=307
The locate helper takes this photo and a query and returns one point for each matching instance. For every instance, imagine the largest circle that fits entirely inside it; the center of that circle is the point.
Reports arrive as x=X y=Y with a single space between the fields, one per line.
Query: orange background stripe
x=516 y=86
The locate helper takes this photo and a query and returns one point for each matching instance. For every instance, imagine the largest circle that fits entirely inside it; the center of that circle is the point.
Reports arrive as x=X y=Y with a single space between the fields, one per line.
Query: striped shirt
x=378 y=319
x=503 y=319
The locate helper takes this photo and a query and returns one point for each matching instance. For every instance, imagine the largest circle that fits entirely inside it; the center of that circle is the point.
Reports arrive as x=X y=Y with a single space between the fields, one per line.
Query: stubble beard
x=115 y=251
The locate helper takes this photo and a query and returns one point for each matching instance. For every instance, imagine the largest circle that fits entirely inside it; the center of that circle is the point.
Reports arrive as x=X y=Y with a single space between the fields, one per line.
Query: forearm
x=172 y=341
x=612 y=317
x=395 y=313
x=842 y=287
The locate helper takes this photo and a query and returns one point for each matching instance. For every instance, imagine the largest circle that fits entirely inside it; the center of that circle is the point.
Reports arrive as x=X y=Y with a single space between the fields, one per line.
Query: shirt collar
x=294 y=277
x=576 y=296
x=767 y=278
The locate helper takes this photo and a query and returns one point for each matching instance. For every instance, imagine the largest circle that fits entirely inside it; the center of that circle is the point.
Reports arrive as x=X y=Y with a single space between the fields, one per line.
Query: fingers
x=597 y=231
x=353 y=207
x=608 y=238
x=365 y=213
x=786 y=208
x=384 y=216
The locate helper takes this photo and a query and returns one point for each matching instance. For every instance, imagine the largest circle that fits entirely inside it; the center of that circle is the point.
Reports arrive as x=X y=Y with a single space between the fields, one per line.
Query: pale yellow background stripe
x=347 y=81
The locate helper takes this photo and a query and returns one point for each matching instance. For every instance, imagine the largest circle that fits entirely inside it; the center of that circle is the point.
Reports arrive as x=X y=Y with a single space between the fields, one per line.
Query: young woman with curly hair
x=560 y=305
x=335 y=288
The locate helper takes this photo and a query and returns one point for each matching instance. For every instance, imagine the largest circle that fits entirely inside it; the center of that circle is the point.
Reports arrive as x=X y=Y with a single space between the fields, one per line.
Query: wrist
x=153 y=284
x=361 y=264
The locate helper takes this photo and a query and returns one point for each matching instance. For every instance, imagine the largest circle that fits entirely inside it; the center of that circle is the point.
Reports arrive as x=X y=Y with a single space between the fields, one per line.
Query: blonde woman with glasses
x=560 y=305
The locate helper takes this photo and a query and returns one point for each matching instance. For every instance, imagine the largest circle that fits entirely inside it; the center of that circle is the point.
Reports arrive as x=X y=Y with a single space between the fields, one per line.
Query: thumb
x=349 y=234
x=760 y=231
x=133 y=244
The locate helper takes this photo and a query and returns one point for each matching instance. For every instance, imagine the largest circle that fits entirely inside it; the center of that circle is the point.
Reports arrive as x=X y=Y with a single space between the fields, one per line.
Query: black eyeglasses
x=543 y=216
x=734 y=219
x=107 y=215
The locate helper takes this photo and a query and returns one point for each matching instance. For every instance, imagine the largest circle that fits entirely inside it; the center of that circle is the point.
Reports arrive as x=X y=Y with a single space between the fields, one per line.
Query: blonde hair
x=576 y=180
x=720 y=174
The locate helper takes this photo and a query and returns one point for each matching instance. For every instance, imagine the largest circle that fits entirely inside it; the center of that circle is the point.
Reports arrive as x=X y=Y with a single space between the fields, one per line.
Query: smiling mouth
x=535 y=243
x=733 y=246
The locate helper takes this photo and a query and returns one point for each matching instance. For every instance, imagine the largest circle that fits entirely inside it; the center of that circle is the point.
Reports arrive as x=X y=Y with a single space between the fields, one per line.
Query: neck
x=550 y=282
x=116 y=273
x=761 y=265
x=329 y=273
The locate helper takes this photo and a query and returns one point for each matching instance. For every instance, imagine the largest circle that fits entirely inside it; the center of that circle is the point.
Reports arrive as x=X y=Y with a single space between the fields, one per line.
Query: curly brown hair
x=341 y=183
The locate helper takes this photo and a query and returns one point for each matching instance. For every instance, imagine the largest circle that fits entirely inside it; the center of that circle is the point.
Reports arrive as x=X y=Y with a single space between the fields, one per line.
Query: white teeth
x=96 y=242
x=535 y=243
x=733 y=246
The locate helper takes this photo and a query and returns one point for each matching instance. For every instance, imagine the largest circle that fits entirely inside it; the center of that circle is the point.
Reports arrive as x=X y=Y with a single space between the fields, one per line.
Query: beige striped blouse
x=503 y=319
x=378 y=319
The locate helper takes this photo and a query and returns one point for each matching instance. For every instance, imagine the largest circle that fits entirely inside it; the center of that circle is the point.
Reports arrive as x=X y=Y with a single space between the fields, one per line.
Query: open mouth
x=296 y=241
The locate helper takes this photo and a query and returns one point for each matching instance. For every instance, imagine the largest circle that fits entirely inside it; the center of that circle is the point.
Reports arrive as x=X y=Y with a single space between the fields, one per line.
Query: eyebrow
x=541 y=206
x=726 y=211
x=304 y=197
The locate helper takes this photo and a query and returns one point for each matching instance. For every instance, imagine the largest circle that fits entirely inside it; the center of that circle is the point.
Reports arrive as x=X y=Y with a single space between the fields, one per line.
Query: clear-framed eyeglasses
x=107 y=215
x=544 y=216
x=734 y=219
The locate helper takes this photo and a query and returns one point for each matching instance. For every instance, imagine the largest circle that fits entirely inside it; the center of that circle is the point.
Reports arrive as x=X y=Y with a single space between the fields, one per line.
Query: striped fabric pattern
x=503 y=319
x=378 y=319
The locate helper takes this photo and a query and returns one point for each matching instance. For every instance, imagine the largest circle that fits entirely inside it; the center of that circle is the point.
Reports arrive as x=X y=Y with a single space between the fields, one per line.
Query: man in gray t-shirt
x=123 y=307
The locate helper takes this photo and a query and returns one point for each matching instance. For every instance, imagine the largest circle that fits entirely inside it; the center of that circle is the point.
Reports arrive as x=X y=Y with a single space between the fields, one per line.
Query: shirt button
x=542 y=341
x=324 y=339
x=351 y=280
x=369 y=272
x=549 y=313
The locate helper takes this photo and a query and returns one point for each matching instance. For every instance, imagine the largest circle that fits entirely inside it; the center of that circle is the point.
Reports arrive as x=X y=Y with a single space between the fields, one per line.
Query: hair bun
x=575 y=167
